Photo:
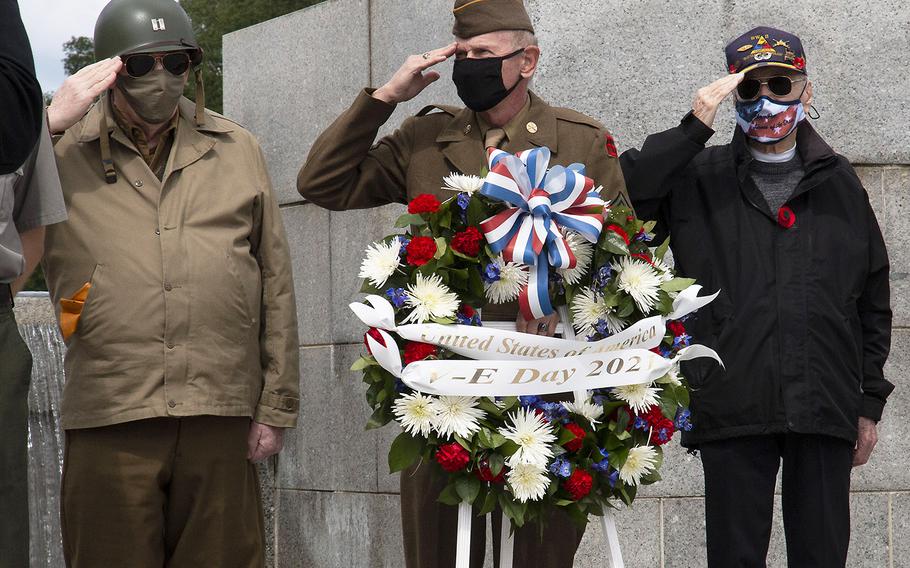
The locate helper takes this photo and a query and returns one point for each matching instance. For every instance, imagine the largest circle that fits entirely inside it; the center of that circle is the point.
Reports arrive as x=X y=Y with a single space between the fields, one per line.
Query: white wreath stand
x=507 y=541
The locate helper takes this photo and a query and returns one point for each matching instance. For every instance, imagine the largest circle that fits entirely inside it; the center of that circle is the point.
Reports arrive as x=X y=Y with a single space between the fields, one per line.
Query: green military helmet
x=135 y=26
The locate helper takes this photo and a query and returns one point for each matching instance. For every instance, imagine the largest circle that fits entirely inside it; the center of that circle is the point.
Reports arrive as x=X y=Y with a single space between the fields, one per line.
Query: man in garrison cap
x=496 y=56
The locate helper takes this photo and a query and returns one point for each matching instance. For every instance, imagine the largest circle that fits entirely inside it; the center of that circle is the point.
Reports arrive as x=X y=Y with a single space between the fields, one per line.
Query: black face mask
x=479 y=81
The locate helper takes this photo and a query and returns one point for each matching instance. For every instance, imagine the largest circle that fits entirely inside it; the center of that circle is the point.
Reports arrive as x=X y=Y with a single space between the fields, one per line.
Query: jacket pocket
x=73 y=308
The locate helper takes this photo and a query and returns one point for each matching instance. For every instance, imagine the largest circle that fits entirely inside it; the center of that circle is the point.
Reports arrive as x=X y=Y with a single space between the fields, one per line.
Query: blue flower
x=683 y=340
x=602 y=276
x=643 y=236
x=602 y=327
x=462 y=200
x=529 y=400
x=554 y=411
x=613 y=477
x=600 y=397
x=404 y=244
x=640 y=423
x=491 y=273
x=400 y=387
x=682 y=421
x=397 y=296
x=561 y=467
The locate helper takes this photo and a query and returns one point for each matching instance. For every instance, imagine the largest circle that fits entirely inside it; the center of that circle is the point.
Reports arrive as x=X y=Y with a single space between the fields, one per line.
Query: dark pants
x=15 y=372
x=429 y=529
x=175 y=492
x=740 y=477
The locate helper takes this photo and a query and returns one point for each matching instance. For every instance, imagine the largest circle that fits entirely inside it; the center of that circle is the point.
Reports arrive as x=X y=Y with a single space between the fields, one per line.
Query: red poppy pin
x=799 y=63
x=610 y=145
x=786 y=218
x=732 y=68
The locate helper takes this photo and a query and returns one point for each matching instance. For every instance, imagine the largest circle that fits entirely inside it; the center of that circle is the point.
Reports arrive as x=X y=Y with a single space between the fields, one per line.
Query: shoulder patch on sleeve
x=450 y=110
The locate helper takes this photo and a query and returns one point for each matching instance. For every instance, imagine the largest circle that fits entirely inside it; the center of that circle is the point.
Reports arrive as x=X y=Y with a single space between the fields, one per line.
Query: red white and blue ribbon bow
x=542 y=202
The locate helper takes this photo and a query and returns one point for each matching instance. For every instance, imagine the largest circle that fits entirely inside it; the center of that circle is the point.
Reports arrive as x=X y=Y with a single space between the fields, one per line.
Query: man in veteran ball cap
x=496 y=55
x=781 y=225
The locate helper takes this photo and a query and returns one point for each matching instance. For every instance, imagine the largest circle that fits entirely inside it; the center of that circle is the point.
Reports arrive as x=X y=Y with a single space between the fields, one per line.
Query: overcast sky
x=52 y=22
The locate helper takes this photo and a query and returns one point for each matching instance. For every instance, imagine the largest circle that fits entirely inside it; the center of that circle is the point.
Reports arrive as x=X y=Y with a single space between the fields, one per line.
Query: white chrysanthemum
x=462 y=183
x=664 y=270
x=639 y=397
x=430 y=299
x=381 y=261
x=671 y=378
x=637 y=279
x=588 y=308
x=457 y=415
x=528 y=482
x=641 y=462
x=533 y=436
x=583 y=251
x=587 y=408
x=512 y=278
x=415 y=412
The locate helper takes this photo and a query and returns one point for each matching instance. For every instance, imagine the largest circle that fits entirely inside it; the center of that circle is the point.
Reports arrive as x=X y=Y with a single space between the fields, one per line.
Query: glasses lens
x=139 y=65
x=749 y=89
x=176 y=63
x=780 y=85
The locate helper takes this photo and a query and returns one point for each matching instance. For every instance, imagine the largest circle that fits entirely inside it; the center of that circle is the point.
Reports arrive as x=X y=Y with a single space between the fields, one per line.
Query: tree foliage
x=77 y=53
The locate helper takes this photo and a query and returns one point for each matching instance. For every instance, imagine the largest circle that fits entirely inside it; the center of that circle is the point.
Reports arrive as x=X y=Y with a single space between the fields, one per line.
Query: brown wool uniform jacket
x=187 y=303
x=346 y=170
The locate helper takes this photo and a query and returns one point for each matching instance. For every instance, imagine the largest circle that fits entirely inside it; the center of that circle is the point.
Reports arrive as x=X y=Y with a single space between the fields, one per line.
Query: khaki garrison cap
x=476 y=17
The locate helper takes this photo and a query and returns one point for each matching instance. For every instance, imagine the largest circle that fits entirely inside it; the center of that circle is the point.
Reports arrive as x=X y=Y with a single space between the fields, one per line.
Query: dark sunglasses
x=780 y=86
x=141 y=64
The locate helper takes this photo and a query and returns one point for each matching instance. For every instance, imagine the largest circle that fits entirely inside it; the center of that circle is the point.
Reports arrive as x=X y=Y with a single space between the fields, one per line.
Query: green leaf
x=380 y=417
x=565 y=435
x=363 y=363
x=496 y=463
x=661 y=251
x=477 y=212
x=410 y=219
x=448 y=495
x=367 y=288
x=404 y=451
x=613 y=243
x=489 y=504
x=467 y=488
x=648 y=226
x=441 y=247
x=677 y=284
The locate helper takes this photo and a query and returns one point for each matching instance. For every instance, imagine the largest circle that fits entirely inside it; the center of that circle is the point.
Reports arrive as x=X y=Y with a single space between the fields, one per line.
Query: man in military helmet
x=782 y=226
x=30 y=199
x=172 y=285
x=496 y=56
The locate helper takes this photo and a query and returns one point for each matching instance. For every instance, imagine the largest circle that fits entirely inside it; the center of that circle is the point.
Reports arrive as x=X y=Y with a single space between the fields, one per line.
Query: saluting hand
x=264 y=441
x=708 y=99
x=79 y=91
x=413 y=77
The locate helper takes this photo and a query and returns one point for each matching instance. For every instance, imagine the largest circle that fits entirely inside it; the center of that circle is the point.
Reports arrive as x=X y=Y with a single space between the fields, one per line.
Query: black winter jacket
x=803 y=321
x=21 y=101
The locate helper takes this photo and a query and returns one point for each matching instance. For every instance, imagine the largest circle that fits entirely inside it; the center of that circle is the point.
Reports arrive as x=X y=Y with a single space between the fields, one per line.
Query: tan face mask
x=153 y=96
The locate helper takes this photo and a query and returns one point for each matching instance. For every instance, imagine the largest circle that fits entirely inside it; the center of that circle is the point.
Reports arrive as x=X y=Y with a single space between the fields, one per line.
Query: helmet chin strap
x=200 y=97
x=110 y=174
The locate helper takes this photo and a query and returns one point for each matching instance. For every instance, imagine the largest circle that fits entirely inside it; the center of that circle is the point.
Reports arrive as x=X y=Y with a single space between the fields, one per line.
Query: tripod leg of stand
x=608 y=523
x=463 y=542
x=506 y=543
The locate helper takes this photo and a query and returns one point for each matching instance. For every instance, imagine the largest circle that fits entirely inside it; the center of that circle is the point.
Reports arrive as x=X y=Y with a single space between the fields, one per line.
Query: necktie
x=494 y=138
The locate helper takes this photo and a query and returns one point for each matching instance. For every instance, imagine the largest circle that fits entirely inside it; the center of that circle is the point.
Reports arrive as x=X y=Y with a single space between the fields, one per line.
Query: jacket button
x=138 y=183
x=170 y=346
x=157 y=231
x=172 y=403
x=168 y=287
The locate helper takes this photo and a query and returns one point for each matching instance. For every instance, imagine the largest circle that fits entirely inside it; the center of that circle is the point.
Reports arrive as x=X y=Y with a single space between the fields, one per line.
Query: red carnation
x=619 y=231
x=662 y=431
x=486 y=474
x=467 y=311
x=417 y=351
x=653 y=415
x=421 y=250
x=579 y=484
x=467 y=241
x=374 y=333
x=424 y=203
x=452 y=457
x=575 y=444
x=677 y=328
x=799 y=63
x=786 y=218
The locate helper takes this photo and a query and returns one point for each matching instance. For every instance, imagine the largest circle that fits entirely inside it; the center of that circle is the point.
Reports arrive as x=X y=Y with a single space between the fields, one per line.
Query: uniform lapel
x=535 y=128
x=191 y=142
x=461 y=143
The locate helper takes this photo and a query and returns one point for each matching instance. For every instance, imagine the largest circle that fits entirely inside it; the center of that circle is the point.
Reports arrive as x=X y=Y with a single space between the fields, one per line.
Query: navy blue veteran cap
x=763 y=47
